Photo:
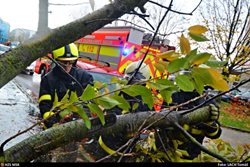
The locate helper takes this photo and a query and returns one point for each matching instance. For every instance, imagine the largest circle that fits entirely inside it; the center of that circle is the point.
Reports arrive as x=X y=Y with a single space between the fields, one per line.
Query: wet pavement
x=235 y=137
x=17 y=113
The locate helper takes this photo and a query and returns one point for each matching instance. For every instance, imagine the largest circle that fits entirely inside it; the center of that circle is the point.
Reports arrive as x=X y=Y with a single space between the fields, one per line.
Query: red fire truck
x=113 y=48
x=119 y=46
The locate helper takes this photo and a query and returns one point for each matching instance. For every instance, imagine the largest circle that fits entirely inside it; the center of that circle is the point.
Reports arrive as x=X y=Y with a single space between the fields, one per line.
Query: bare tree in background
x=43 y=17
x=228 y=22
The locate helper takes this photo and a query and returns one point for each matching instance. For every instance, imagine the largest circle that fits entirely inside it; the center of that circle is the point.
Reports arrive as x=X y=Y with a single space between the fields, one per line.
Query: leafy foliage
x=238 y=154
x=198 y=74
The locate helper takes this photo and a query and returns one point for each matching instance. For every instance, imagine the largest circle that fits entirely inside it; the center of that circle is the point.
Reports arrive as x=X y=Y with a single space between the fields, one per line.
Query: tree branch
x=193 y=140
x=54 y=137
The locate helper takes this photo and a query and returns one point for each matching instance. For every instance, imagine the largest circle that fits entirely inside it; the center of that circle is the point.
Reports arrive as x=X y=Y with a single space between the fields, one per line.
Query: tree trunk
x=12 y=63
x=43 y=27
x=52 y=138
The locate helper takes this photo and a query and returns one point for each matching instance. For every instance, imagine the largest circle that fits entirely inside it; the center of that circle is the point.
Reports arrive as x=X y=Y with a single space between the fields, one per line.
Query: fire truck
x=119 y=46
x=113 y=48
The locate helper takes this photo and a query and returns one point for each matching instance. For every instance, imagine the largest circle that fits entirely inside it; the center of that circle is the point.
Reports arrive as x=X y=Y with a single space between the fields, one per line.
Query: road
x=235 y=137
x=31 y=85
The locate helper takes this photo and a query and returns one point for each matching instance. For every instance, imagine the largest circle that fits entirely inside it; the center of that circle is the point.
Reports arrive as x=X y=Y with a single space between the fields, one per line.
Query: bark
x=43 y=17
x=12 y=63
x=52 y=138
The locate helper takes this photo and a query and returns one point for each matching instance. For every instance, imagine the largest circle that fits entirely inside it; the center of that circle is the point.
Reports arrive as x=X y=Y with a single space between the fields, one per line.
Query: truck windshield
x=4 y=48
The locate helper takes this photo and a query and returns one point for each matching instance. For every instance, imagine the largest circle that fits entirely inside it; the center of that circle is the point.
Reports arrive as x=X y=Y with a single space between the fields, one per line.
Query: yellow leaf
x=168 y=55
x=160 y=67
x=184 y=44
x=218 y=82
x=197 y=29
x=106 y=148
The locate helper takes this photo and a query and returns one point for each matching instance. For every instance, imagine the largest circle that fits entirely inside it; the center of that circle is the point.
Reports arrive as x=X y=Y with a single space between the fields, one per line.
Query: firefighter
x=142 y=75
x=199 y=131
x=65 y=76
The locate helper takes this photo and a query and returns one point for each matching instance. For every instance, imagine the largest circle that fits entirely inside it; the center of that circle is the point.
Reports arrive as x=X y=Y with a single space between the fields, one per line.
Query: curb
x=237 y=129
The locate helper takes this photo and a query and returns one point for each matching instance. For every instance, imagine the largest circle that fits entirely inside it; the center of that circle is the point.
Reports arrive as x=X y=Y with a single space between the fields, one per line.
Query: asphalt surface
x=17 y=113
x=235 y=137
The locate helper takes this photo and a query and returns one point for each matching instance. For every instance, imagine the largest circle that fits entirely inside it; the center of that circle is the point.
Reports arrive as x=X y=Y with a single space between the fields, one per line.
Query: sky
x=24 y=13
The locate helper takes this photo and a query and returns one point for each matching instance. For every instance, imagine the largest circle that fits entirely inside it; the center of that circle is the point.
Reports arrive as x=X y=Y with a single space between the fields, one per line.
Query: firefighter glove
x=214 y=112
x=51 y=119
x=211 y=130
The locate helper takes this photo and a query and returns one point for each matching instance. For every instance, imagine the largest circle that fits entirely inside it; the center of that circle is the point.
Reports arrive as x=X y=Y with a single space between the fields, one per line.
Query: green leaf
x=73 y=97
x=107 y=102
x=215 y=63
x=96 y=110
x=210 y=77
x=55 y=102
x=114 y=79
x=161 y=84
x=189 y=57
x=121 y=81
x=185 y=83
x=88 y=94
x=144 y=92
x=165 y=82
x=192 y=53
x=200 y=58
x=202 y=74
x=131 y=91
x=65 y=98
x=199 y=85
x=176 y=65
x=82 y=113
x=135 y=106
x=198 y=37
x=98 y=84
x=166 y=95
x=158 y=86
x=123 y=103
x=65 y=112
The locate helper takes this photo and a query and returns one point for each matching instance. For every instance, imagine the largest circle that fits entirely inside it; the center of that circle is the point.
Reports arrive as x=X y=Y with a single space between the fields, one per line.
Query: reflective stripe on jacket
x=56 y=81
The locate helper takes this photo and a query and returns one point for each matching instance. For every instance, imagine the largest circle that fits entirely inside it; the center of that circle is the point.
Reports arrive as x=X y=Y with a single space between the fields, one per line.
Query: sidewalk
x=235 y=137
x=17 y=114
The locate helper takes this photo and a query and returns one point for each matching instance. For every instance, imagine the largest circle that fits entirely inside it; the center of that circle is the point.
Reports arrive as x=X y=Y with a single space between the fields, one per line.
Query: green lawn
x=235 y=115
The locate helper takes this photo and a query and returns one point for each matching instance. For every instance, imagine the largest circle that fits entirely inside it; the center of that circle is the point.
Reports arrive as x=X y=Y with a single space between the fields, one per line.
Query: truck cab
x=119 y=46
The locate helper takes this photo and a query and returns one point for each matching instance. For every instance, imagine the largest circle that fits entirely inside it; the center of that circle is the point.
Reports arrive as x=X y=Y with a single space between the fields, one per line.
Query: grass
x=236 y=115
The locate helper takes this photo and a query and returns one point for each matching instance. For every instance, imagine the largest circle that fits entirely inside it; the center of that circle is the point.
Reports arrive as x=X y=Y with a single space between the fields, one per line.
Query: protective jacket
x=57 y=82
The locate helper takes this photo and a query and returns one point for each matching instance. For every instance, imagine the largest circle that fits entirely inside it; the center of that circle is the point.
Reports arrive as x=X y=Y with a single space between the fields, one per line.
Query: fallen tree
x=14 y=62
x=52 y=138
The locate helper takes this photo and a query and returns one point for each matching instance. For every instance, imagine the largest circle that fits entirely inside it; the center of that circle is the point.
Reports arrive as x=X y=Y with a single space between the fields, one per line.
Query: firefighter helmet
x=66 y=53
x=142 y=74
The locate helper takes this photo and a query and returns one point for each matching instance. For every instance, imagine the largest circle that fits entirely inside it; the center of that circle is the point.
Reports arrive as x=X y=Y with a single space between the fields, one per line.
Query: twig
x=151 y=42
x=193 y=140
x=162 y=143
x=136 y=135
x=214 y=97
x=142 y=16
x=191 y=13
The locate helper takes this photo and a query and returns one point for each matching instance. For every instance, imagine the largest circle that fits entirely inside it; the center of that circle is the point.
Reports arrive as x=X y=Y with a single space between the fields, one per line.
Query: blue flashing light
x=125 y=52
